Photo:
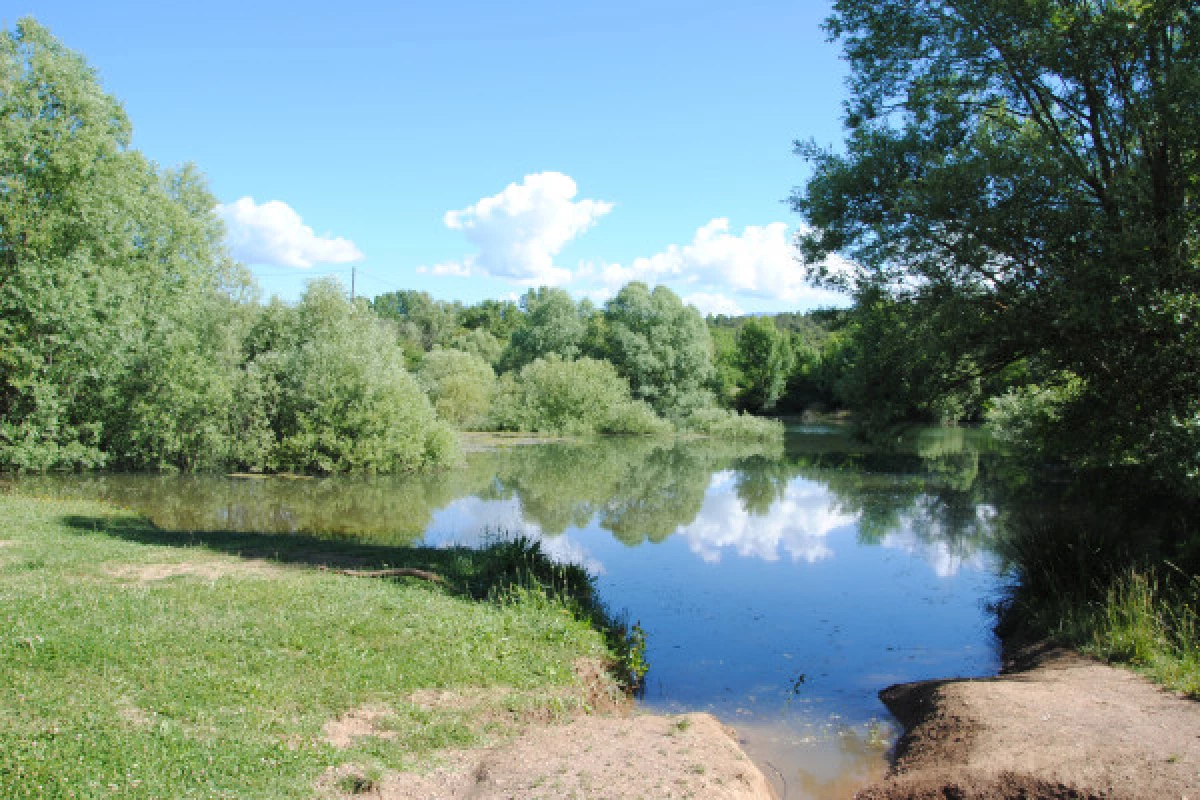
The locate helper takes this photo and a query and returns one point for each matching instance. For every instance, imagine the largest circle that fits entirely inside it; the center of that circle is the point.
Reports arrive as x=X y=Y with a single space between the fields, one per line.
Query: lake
x=780 y=588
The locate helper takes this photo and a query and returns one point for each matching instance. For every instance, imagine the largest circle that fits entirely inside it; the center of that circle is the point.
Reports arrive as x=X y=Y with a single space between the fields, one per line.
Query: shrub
x=1025 y=418
x=635 y=417
x=460 y=386
x=732 y=425
x=575 y=397
x=340 y=399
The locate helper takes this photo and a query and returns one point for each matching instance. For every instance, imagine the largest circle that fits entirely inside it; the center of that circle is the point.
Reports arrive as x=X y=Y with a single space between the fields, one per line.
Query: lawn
x=138 y=662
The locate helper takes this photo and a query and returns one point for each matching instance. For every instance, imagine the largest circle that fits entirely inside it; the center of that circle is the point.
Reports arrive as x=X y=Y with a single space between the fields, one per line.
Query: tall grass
x=1107 y=589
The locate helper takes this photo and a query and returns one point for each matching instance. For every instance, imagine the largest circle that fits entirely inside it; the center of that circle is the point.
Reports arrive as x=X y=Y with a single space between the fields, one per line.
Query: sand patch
x=142 y=574
x=356 y=724
x=598 y=757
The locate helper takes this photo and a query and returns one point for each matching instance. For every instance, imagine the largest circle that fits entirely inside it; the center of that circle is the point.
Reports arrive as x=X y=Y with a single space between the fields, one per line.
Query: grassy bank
x=144 y=663
x=1113 y=575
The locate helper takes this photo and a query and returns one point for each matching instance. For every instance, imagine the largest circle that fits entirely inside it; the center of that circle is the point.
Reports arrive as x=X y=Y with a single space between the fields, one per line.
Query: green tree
x=1025 y=174
x=498 y=317
x=766 y=359
x=727 y=372
x=552 y=324
x=460 y=386
x=583 y=396
x=662 y=347
x=98 y=248
x=422 y=321
x=338 y=395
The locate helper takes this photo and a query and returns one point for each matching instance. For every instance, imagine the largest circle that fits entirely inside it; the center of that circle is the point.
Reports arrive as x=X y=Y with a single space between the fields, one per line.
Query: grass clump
x=210 y=664
x=1094 y=579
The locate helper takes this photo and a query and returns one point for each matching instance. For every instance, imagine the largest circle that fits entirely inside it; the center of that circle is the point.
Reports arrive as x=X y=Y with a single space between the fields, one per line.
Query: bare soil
x=1054 y=725
x=596 y=747
x=142 y=574
x=601 y=757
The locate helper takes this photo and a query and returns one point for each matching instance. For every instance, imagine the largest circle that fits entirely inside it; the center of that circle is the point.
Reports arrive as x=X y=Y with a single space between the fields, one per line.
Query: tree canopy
x=99 y=252
x=1024 y=174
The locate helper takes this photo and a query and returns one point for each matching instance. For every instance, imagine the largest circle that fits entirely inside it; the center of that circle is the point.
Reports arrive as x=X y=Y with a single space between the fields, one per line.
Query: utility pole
x=353 y=274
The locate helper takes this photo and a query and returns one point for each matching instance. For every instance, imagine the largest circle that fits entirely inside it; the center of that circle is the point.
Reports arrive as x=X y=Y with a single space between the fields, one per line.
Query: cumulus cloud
x=521 y=230
x=797 y=524
x=273 y=233
x=923 y=533
x=761 y=261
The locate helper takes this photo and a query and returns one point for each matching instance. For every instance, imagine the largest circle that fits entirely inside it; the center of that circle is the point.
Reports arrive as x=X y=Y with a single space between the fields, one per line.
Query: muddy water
x=779 y=588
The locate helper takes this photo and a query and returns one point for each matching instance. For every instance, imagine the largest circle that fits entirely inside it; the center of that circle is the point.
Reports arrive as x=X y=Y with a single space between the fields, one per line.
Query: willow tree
x=1024 y=174
x=109 y=268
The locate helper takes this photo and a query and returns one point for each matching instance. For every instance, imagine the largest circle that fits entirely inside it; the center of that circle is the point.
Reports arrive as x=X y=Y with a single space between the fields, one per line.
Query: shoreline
x=1052 y=724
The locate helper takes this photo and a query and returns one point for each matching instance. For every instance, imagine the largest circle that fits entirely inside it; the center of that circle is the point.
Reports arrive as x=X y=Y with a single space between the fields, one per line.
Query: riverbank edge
x=1054 y=723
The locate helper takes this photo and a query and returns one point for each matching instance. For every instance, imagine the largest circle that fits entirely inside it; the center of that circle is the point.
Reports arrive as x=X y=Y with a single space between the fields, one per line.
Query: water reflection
x=781 y=588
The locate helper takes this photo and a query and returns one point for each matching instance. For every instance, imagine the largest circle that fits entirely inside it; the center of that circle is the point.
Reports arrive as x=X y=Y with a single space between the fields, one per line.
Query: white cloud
x=521 y=230
x=273 y=233
x=760 y=262
x=714 y=304
x=475 y=521
x=797 y=524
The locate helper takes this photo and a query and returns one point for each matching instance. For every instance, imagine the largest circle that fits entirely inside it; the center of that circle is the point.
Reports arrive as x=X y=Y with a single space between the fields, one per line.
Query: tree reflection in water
x=927 y=495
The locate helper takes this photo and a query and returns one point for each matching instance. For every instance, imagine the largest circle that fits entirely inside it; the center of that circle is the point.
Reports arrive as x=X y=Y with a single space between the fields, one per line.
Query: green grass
x=218 y=683
x=1102 y=590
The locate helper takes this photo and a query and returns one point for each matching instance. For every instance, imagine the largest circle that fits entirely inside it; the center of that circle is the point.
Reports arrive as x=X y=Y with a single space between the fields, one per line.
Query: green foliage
x=103 y=258
x=726 y=424
x=1113 y=573
x=579 y=397
x=727 y=374
x=766 y=360
x=496 y=317
x=459 y=385
x=340 y=398
x=1028 y=418
x=1025 y=176
x=552 y=325
x=421 y=321
x=662 y=347
x=478 y=342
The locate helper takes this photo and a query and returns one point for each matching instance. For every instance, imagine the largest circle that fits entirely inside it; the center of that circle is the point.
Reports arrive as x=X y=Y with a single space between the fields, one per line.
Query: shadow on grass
x=507 y=569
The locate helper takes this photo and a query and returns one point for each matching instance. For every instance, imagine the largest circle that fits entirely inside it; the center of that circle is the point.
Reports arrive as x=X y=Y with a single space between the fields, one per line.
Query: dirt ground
x=612 y=753
x=1055 y=725
x=600 y=757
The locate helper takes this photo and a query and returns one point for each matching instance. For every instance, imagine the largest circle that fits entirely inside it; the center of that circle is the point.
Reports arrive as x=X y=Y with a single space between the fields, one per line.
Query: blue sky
x=473 y=149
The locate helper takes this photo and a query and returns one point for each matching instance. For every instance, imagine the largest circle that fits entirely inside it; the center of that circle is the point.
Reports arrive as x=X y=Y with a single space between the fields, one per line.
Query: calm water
x=780 y=589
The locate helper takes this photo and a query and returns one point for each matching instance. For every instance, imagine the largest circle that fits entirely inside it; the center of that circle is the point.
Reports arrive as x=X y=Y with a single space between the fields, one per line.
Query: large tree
x=661 y=346
x=102 y=256
x=1024 y=174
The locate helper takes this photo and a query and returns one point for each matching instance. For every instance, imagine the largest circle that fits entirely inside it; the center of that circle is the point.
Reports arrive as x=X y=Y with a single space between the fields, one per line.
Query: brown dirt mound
x=1063 y=727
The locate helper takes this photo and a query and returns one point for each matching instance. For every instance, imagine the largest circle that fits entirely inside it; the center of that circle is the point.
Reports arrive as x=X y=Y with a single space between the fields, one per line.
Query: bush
x=460 y=386
x=340 y=399
x=573 y=397
x=635 y=417
x=725 y=424
x=1025 y=419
